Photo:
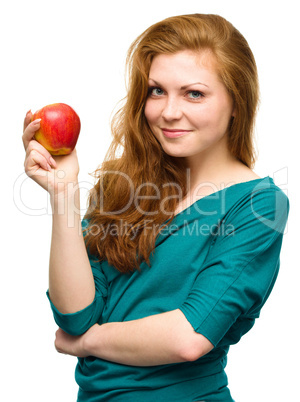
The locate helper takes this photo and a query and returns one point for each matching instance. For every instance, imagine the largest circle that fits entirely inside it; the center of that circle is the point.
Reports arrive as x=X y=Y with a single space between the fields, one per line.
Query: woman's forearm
x=155 y=340
x=71 y=283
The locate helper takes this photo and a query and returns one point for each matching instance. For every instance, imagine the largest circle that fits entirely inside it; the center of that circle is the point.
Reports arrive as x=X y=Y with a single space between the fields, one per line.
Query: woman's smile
x=174 y=133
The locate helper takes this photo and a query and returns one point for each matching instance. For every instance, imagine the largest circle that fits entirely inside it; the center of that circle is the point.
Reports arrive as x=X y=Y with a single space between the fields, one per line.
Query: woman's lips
x=174 y=133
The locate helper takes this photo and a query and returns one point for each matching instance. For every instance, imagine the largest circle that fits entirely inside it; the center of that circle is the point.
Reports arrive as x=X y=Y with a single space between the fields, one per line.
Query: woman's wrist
x=67 y=196
x=91 y=341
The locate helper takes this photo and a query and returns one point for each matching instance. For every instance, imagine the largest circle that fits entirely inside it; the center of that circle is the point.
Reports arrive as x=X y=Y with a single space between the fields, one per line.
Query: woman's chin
x=176 y=153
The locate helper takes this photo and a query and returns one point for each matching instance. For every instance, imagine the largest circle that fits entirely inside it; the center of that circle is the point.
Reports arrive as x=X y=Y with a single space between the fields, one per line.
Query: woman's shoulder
x=241 y=173
x=261 y=203
x=244 y=175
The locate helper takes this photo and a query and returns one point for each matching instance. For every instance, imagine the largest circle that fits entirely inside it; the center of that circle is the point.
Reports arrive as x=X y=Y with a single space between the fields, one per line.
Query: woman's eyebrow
x=194 y=83
x=183 y=87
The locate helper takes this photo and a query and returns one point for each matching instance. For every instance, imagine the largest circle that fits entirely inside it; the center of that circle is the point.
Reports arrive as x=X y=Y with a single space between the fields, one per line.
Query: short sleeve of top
x=240 y=269
x=79 y=322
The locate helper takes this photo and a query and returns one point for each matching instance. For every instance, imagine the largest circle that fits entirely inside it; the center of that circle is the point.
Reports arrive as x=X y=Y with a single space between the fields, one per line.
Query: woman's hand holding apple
x=56 y=174
x=59 y=176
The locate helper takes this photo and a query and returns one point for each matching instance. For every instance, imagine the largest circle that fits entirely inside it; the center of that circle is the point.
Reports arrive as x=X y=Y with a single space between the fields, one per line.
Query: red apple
x=59 y=128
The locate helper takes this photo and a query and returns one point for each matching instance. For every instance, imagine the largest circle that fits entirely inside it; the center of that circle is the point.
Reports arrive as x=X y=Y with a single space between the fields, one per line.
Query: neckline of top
x=223 y=189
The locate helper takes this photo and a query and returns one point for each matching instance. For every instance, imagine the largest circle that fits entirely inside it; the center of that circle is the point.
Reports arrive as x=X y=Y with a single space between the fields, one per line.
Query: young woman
x=179 y=249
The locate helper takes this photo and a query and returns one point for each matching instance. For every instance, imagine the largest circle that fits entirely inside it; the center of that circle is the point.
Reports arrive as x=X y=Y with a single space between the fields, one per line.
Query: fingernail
x=36 y=121
x=49 y=167
x=29 y=111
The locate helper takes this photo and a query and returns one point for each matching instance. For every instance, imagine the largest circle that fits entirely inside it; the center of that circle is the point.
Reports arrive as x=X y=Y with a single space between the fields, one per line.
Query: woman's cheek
x=151 y=111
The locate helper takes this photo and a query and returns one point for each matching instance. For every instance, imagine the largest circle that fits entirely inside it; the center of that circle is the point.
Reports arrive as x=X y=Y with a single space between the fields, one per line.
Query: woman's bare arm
x=155 y=340
x=71 y=282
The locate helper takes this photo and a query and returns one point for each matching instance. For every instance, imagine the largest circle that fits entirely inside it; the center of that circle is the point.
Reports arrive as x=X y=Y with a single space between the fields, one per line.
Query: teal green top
x=217 y=261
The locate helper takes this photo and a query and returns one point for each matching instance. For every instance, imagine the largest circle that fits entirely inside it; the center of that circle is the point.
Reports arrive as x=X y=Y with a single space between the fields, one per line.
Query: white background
x=74 y=52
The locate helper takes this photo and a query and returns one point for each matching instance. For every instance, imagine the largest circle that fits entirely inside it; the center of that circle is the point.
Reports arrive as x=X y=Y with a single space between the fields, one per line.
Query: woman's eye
x=155 y=91
x=195 y=94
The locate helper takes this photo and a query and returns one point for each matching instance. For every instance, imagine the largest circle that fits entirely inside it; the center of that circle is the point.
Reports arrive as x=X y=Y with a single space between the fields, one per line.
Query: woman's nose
x=171 y=110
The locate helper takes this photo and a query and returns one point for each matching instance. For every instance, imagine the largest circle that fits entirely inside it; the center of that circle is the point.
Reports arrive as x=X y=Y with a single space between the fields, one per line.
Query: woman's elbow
x=195 y=348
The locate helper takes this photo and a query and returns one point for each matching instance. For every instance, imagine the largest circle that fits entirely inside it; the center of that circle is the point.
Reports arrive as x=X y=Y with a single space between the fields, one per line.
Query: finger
x=34 y=145
x=35 y=158
x=27 y=119
x=29 y=132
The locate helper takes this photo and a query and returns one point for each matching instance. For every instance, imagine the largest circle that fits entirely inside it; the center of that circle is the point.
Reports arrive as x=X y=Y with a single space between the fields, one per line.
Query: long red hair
x=122 y=230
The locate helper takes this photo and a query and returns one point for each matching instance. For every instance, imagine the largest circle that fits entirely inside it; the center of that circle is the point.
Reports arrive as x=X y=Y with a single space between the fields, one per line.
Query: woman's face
x=188 y=107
